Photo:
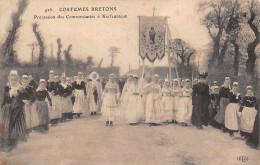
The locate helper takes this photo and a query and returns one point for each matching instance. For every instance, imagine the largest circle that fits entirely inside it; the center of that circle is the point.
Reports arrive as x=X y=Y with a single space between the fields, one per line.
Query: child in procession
x=167 y=101
x=110 y=99
x=55 y=109
x=27 y=94
x=65 y=91
x=175 y=92
x=94 y=93
x=42 y=107
x=154 y=106
x=222 y=102
x=80 y=94
x=231 y=114
x=185 y=110
x=134 y=111
x=124 y=100
x=13 y=116
x=213 y=103
x=248 y=114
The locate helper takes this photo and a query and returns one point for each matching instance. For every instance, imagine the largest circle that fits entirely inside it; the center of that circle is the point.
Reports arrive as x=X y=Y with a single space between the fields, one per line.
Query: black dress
x=222 y=102
x=13 y=119
x=42 y=109
x=65 y=93
x=200 y=102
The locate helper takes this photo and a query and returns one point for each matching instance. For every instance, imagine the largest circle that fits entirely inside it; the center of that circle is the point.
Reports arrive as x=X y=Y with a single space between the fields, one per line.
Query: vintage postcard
x=129 y=82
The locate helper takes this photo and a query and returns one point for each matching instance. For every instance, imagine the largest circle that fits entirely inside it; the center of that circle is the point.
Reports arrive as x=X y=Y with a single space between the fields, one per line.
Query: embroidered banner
x=152 y=37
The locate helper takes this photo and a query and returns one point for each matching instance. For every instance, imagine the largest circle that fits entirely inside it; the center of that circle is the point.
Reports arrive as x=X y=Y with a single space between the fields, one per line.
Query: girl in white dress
x=144 y=91
x=125 y=95
x=154 y=107
x=167 y=101
x=185 y=106
x=134 y=112
x=94 y=93
x=175 y=93
x=110 y=98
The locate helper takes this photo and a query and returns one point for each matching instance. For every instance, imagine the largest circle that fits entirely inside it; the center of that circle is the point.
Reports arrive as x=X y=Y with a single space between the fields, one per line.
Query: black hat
x=203 y=75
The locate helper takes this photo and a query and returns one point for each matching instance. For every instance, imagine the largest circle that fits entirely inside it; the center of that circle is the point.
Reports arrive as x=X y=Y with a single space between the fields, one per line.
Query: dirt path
x=87 y=141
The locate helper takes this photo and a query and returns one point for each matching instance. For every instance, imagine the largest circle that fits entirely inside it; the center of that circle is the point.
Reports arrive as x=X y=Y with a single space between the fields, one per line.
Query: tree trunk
x=216 y=45
x=40 y=42
x=7 y=49
x=182 y=61
x=223 y=52
x=236 y=58
x=59 y=52
x=250 y=63
x=188 y=61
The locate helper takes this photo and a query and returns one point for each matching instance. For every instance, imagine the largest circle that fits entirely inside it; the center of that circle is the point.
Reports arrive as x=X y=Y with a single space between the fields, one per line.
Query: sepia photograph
x=129 y=82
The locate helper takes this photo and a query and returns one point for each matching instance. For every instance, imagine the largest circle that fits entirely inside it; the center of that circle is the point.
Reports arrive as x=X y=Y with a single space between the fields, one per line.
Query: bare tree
x=232 y=25
x=7 y=50
x=182 y=50
x=68 y=55
x=216 y=21
x=40 y=43
x=234 y=29
x=59 y=52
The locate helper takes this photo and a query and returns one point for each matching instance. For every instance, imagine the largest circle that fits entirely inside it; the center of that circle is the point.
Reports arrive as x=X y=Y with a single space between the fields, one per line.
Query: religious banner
x=152 y=37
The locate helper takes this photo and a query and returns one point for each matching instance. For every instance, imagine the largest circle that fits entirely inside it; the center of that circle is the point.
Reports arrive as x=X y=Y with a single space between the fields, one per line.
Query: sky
x=94 y=37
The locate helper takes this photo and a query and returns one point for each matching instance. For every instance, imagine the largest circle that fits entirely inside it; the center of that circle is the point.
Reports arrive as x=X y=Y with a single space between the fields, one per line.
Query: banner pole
x=169 y=63
x=153 y=69
x=177 y=74
x=143 y=66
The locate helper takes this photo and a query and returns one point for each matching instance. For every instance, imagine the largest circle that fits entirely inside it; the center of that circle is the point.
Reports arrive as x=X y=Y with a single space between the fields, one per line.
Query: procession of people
x=29 y=106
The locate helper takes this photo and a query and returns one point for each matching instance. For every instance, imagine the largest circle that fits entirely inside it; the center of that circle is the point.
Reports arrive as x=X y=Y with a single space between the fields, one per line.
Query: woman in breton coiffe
x=248 y=114
x=42 y=107
x=134 y=112
x=79 y=87
x=94 y=93
x=27 y=93
x=231 y=114
x=55 y=109
x=223 y=102
x=154 y=107
x=110 y=99
x=65 y=92
x=13 y=116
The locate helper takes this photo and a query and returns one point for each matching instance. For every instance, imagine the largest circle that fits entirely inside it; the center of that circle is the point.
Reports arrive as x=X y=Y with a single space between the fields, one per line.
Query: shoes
x=184 y=124
x=224 y=129
x=107 y=123
x=199 y=127
x=111 y=123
